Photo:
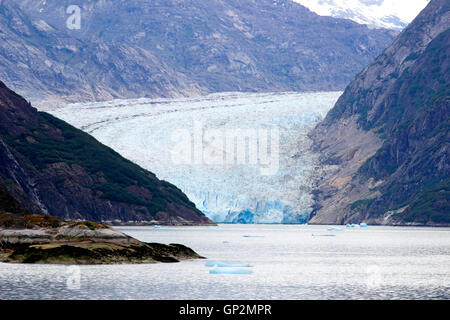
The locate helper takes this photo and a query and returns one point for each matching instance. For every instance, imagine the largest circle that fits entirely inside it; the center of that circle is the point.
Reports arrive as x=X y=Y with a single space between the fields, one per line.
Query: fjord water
x=288 y=262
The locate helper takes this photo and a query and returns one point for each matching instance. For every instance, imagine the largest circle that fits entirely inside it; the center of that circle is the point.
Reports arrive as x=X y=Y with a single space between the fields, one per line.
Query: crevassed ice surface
x=162 y=135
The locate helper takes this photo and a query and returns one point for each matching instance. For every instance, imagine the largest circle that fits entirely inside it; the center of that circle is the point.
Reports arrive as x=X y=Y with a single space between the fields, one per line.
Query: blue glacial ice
x=361 y=225
x=226 y=264
x=228 y=270
x=141 y=130
x=334 y=229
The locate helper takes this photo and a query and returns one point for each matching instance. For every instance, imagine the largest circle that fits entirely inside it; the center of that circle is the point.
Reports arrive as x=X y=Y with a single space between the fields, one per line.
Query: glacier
x=145 y=131
x=390 y=14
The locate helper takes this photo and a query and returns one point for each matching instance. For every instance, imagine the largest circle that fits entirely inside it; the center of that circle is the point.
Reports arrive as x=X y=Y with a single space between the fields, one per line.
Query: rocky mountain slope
x=53 y=168
x=385 y=144
x=161 y=48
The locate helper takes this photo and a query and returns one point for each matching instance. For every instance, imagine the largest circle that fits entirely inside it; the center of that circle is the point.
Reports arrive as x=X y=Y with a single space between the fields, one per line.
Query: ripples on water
x=288 y=263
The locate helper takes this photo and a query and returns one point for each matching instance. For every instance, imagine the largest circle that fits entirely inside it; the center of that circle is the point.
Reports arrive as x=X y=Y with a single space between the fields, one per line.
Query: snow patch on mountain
x=390 y=14
x=146 y=132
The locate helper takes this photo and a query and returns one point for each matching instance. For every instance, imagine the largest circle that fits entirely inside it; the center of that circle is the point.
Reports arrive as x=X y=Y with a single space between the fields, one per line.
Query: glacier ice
x=363 y=225
x=375 y=13
x=143 y=131
x=226 y=264
x=228 y=270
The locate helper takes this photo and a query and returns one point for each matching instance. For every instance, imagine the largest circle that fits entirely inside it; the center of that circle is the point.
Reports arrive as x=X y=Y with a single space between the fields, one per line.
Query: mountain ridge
x=173 y=48
x=385 y=143
x=52 y=168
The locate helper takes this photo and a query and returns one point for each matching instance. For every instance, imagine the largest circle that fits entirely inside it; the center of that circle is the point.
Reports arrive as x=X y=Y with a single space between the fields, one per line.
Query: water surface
x=288 y=263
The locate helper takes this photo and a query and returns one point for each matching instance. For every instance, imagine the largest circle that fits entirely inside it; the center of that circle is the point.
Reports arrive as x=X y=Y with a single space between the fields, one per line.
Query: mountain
x=9 y=204
x=50 y=167
x=390 y=14
x=167 y=48
x=385 y=144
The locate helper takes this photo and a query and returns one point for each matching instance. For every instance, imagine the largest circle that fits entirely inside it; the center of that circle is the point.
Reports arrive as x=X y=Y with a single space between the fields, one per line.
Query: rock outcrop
x=31 y=238
x=385 y=144
x=26 y=238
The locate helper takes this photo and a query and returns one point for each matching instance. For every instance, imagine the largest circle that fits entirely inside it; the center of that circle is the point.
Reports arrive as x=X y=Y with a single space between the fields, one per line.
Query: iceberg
x=228 y=270
x=226 y=264
x=252 y=236
x=334 y=229
x=324 y=235
x=363 y=225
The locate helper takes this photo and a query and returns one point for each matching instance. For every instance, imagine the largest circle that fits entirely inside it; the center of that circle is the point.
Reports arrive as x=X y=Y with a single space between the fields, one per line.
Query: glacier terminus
x=240 y=157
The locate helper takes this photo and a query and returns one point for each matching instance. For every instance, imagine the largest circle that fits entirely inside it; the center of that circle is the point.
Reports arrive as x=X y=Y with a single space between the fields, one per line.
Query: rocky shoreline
x=172 y=223
x=45 y=239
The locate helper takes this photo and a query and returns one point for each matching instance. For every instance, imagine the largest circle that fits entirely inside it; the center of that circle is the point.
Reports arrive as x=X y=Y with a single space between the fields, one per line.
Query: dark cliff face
x=394 y=167
x=51 y=167
x=9 y=204
x=135 y=48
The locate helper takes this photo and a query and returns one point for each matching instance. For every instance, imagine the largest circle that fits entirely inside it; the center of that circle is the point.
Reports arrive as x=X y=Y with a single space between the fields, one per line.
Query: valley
x=154 y=133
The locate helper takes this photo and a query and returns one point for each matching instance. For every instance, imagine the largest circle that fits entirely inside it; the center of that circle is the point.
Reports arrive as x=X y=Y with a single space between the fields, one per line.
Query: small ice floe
x=225 y=241
x=225 y=267
x=363 y=225
x=157 y=227
x=252 y=236
x=228 y=270
x=222 y=264
x=324 y=235
x=334 y=229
